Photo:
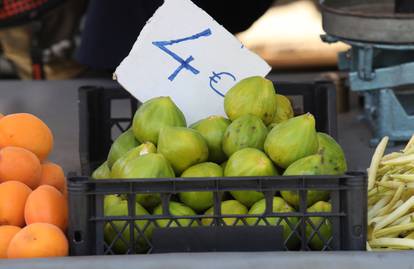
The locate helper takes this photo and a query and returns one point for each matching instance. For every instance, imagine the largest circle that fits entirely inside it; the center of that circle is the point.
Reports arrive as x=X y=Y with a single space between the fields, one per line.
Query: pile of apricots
x=33 y=191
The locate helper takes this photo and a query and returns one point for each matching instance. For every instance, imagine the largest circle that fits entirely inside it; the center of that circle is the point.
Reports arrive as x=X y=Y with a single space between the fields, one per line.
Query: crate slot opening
x=77 y=237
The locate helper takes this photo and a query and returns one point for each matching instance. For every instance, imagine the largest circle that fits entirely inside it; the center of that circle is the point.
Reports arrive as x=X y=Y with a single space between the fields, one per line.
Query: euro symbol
x=216 y=77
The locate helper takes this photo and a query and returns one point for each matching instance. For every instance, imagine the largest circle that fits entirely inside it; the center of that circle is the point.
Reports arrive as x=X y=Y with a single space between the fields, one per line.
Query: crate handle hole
x=77 y=237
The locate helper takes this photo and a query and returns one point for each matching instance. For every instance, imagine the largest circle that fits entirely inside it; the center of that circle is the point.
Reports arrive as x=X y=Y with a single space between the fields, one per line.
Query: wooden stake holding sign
x=183 y=53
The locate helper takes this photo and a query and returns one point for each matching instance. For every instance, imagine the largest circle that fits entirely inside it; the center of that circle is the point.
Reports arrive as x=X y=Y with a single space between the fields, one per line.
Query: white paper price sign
x=183 y=53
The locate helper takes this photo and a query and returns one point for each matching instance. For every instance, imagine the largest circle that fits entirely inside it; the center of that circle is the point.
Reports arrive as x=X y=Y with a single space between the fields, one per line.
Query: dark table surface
x=55 y=102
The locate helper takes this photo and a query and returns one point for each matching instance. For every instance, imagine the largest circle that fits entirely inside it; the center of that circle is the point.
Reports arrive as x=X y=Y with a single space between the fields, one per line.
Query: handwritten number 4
x=185 y=64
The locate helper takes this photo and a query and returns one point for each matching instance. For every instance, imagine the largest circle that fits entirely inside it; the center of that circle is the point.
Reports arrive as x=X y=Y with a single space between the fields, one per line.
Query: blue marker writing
x=185 y=64
x=216 y=77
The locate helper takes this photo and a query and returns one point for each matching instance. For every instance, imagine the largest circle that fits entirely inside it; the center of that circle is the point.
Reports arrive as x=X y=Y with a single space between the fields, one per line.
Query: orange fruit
x=53 y=175
x=19 y=164
x=7 y=232
x=13 y=196
x=38 y=240
x=65 y=192
x=26 y=131
x=1 y=115
x=47 y=204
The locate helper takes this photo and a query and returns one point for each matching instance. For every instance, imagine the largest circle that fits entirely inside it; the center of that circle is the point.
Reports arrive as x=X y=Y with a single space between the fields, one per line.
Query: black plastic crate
x=99 y=125
x=347 y=218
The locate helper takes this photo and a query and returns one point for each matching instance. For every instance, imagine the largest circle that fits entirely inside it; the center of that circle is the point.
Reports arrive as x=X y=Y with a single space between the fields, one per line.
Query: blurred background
x=72 y=39
x=285 y=33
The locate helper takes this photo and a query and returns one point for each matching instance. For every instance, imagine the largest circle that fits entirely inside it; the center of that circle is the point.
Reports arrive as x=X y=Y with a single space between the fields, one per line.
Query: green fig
x=207 y=169
x=121 y=145
x=142 y=149
x=154 y=114
x=249 y=162
x=151 y=165
x=176 y=209
x=200 y=201
x=111 y=230
x=284 y=110
x=292 y=140
x=316 y=241
x=332 y=153
x=247 y=198
x=229 y=207
x=279 y=206
x=252 y=95
x=271 y=126
x=182 y=147
x=212 y=129
x=102 y=172
x=247 y=131
x=311 y=166
x=110 y=200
